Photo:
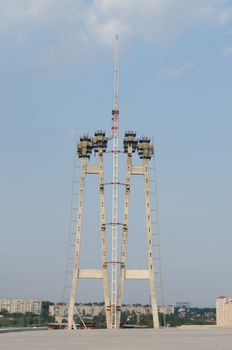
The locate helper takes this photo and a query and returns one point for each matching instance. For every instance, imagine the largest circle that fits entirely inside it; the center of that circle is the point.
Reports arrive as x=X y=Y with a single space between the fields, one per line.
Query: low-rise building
x=167 y=310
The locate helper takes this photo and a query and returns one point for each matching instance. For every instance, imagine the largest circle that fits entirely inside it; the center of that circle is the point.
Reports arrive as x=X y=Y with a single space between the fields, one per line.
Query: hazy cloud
x=225 y=16
x=173 y=73
x=68 y=30
x=151 y=19
x=227 y=51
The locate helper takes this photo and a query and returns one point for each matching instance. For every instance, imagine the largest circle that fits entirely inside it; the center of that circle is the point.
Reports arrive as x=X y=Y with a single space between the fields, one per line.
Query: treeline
x=192 y=316
x=27 y=319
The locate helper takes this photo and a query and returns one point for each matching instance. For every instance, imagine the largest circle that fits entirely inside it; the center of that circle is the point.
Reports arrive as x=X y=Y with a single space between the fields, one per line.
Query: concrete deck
x=175 y=339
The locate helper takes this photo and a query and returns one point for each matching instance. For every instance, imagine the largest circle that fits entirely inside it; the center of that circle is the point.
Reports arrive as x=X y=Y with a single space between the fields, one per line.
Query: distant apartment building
x=88 y=310
x=138 y=309
x=182 y=304
x=60 y=311
x=167 y=310
x=224 y=311
x=21 y=306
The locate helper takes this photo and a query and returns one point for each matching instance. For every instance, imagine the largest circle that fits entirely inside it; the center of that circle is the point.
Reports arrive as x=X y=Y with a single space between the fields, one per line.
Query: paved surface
x=22 y=329
x=174 y=339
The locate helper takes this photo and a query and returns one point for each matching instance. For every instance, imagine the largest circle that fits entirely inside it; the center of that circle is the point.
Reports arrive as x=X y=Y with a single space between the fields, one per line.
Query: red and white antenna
x=115 y=135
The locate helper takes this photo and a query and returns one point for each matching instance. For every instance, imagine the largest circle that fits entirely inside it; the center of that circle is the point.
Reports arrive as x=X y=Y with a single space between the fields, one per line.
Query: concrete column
x=124 y=233
x=149 y=245
x=77 y=244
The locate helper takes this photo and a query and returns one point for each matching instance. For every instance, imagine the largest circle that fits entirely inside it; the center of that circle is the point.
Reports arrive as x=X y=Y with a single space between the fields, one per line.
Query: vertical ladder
x=156 y=236
x=71 y=235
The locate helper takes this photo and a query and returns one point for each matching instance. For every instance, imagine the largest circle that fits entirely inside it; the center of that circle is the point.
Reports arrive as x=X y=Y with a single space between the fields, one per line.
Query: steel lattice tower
x=115 y=135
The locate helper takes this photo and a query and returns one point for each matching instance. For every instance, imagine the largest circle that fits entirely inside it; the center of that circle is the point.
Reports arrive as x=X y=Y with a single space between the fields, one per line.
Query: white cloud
x=225 y=16
x=227 y=51
x=154 y=20
x=68 y=29
x=173 y=73
x=150 y=19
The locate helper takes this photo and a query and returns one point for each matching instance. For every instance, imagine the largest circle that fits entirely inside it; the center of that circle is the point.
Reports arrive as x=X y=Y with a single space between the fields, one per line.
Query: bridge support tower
x=84 y=149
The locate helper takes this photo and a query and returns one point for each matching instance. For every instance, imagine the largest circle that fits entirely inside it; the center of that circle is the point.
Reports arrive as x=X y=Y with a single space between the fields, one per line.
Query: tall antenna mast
x=115 y=134
x=116 y=71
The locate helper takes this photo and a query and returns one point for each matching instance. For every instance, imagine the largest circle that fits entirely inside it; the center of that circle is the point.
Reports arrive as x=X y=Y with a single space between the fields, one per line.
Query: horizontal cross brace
x=137 y=170
x=114 y=151
x=92 y=169
x=138 y=274
x=90 y=273
x=115 y=223
x=115 y=183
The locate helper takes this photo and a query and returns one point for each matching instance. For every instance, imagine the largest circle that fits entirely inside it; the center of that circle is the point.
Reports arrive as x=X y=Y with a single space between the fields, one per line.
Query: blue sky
x=56 y=67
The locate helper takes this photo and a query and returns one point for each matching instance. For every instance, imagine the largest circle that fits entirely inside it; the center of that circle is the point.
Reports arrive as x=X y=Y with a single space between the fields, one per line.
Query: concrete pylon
x=145 y=151
x=84 y=150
